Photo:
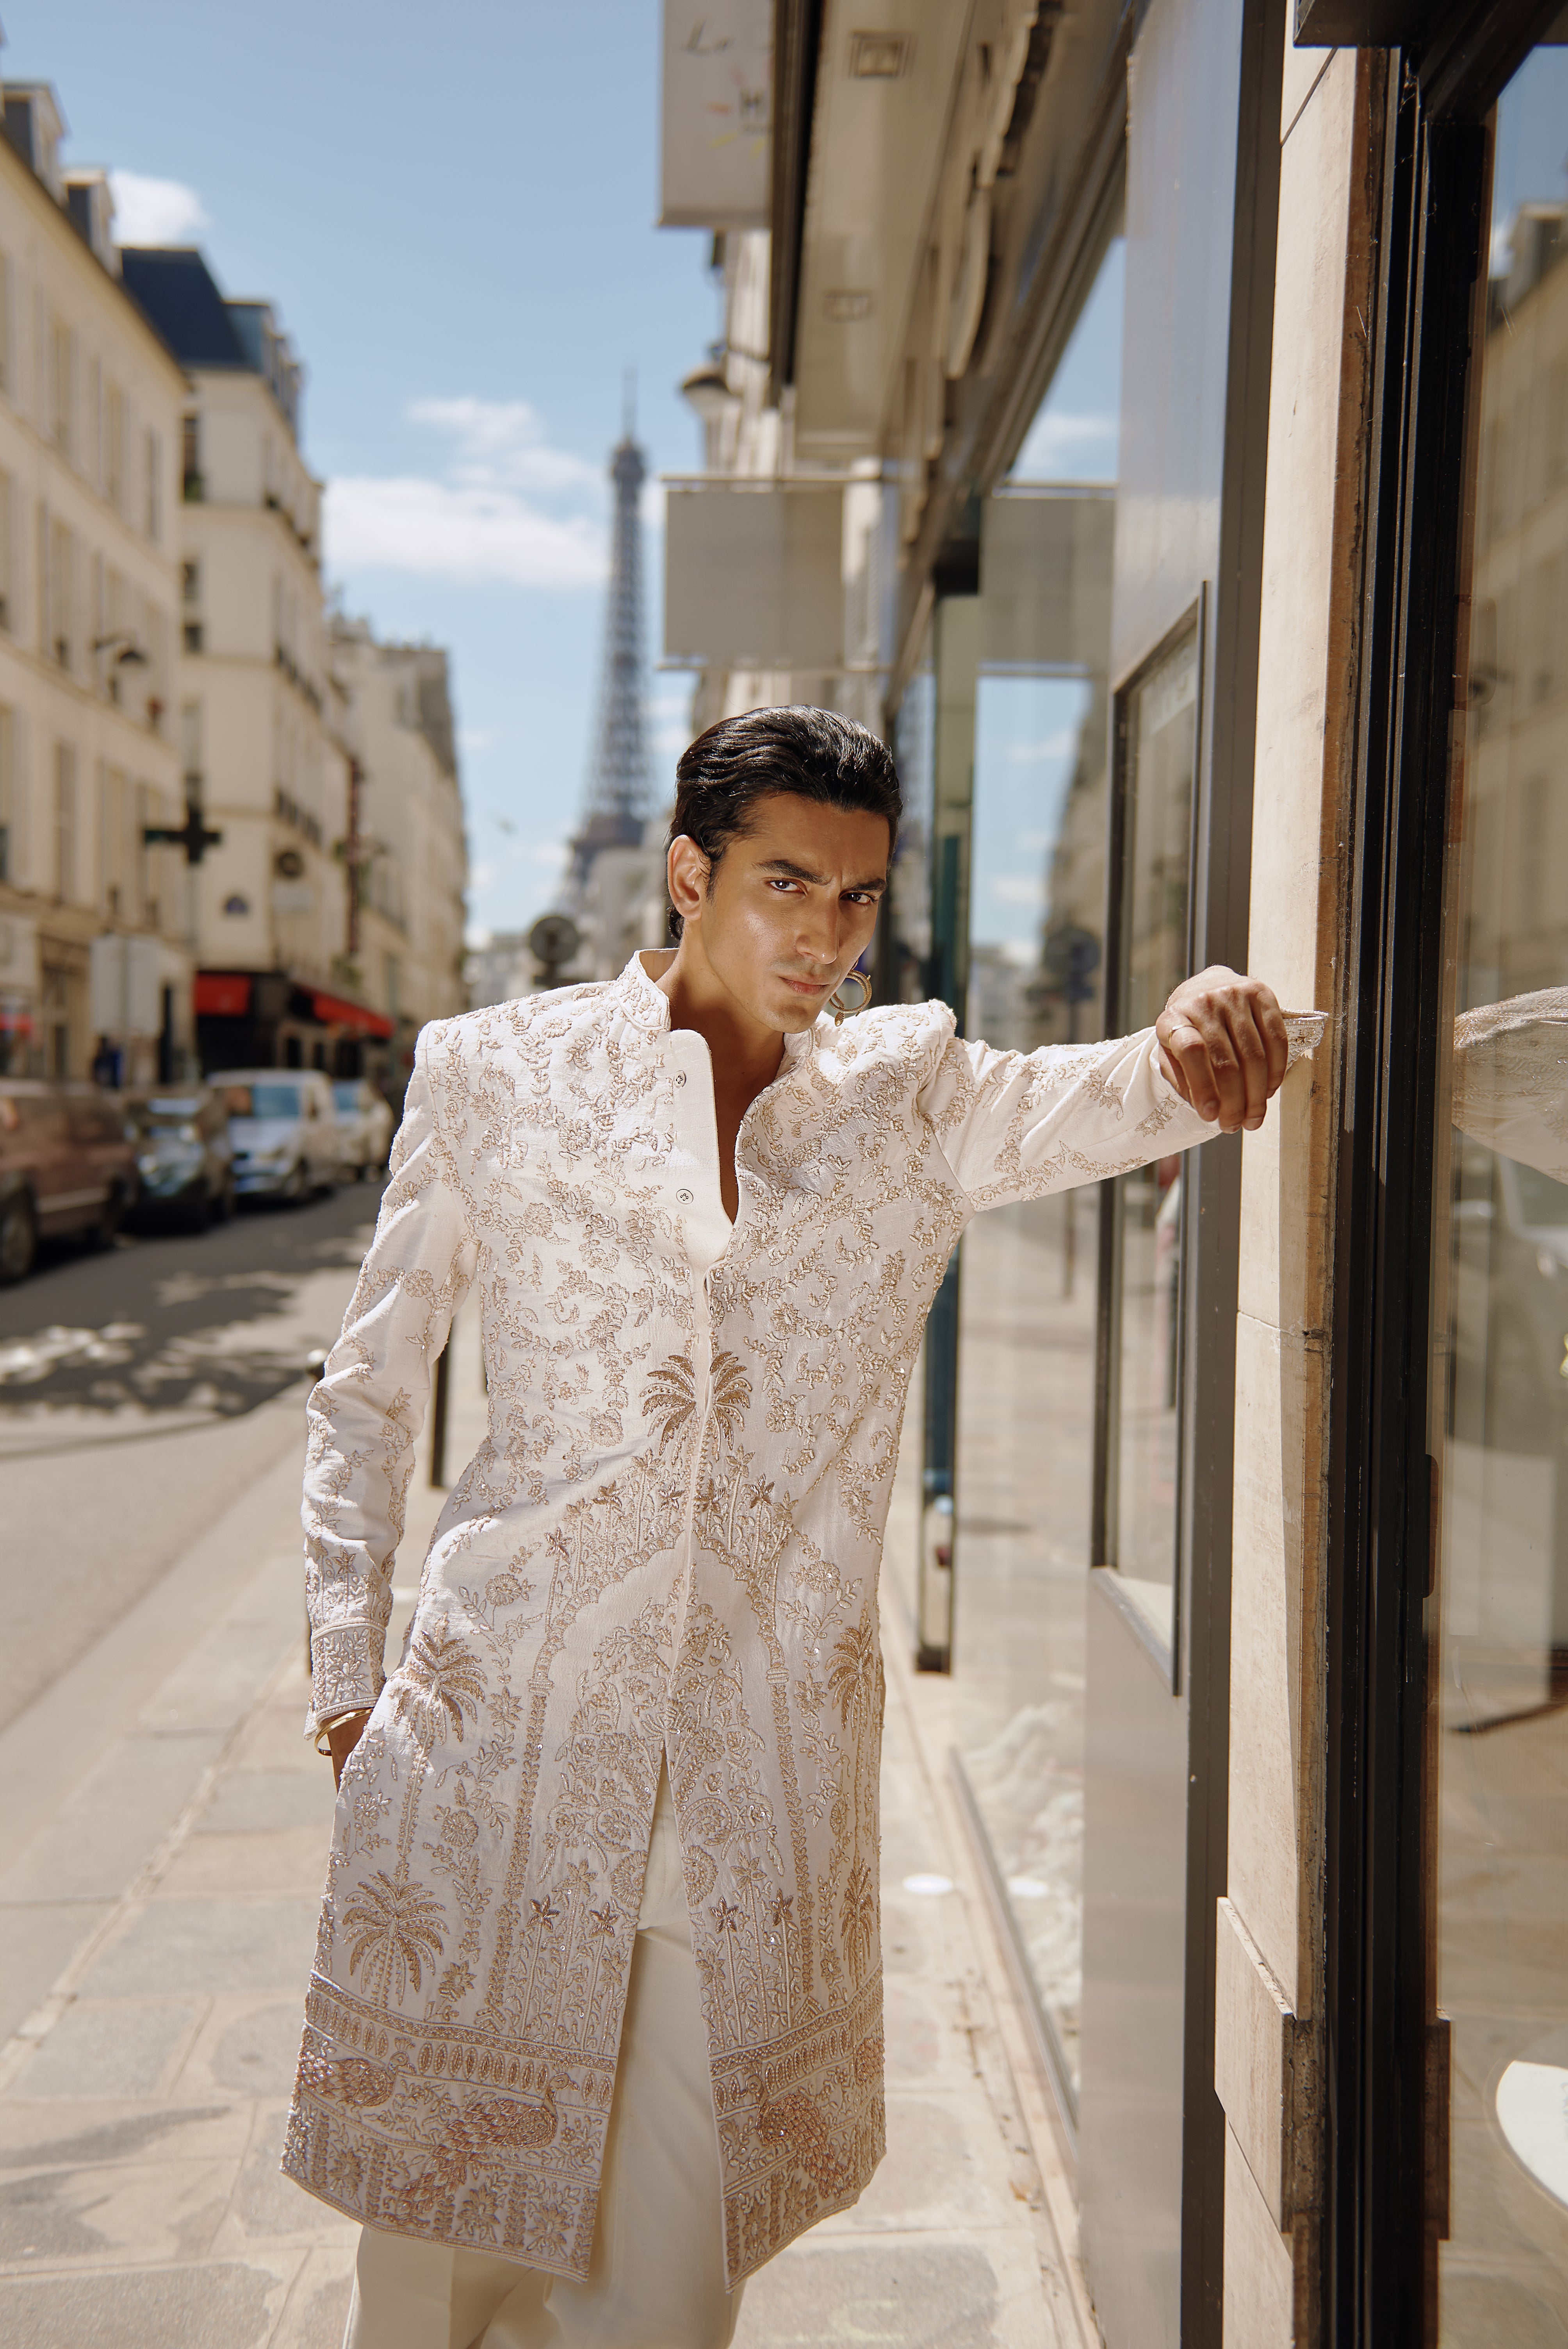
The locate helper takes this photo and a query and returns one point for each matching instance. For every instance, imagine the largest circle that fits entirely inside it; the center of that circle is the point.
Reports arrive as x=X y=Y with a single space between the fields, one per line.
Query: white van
x=284 y=1126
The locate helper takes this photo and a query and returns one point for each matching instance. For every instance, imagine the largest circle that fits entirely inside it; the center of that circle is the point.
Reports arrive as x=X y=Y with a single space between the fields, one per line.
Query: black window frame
x=1385 y=2086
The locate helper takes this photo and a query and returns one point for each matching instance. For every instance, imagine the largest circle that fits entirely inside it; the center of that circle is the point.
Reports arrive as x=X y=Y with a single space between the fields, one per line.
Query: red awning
x=224 y=994
x=337 y=1011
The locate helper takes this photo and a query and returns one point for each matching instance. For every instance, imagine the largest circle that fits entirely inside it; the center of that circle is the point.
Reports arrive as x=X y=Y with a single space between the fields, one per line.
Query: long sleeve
x=1510 y=1079
x=1016 y=1125
x=365 y=1413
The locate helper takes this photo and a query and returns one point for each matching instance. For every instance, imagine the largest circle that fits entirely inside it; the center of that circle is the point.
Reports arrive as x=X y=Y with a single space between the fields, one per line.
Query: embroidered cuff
x=343 y=1677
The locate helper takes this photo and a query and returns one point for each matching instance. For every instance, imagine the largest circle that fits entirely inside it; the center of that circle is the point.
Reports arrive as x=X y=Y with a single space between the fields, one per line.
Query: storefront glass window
x=1037 y=895
x=904 y=944
x=1499 y=1685
x=1153 y=831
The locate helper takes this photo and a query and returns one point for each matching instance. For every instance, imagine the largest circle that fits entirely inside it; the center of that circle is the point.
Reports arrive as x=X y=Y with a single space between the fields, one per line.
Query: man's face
x=792 y=906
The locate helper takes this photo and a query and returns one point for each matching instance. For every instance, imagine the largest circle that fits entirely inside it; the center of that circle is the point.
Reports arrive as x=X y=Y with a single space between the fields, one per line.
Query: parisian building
x=407 y=856
x=1155 y=422
x=331 y=902
x=96 y=923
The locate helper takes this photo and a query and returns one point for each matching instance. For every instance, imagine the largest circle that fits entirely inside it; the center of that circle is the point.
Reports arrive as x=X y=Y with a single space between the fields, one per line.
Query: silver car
x=284 y=1125
x=365 y=1119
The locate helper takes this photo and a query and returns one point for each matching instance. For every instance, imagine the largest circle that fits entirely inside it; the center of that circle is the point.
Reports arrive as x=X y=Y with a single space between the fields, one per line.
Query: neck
x=744 y=1048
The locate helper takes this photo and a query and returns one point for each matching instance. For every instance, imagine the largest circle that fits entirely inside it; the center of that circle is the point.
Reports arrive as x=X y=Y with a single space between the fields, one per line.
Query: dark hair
x=815 y=753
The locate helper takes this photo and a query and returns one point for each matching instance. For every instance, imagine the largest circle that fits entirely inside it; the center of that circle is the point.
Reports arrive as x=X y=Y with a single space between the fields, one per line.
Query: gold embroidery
x=666 y=1546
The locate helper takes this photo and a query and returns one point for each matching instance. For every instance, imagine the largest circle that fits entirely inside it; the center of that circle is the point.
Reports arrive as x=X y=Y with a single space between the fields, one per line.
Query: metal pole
x=438 y=1419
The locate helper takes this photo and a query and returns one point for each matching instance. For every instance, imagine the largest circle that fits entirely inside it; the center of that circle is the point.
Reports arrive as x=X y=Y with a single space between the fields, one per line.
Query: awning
x=222 y=994
x=337 y=1011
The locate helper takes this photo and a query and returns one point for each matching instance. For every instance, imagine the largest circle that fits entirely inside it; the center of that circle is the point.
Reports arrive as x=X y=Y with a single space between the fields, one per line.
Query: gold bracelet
x=360 y=1712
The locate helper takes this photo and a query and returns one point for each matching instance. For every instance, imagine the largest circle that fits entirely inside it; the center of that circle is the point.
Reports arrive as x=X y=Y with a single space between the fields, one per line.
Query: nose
x=820 y=931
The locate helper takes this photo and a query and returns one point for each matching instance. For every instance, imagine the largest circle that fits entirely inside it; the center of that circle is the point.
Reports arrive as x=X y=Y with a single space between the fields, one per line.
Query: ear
x=687 y=870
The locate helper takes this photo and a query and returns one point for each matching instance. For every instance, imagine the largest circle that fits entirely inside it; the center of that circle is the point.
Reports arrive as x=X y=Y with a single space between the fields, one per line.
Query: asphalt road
x=132 y=1387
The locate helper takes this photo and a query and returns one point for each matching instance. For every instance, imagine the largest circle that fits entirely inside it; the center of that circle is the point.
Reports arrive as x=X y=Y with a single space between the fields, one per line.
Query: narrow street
x=147 y=1381
x=163 y=1842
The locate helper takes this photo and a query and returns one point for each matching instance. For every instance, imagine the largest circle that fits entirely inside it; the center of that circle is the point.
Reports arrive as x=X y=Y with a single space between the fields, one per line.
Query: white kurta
x=669 y=1541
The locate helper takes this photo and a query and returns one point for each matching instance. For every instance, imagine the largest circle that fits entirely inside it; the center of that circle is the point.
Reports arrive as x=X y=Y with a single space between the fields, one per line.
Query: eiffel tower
x=618 y=789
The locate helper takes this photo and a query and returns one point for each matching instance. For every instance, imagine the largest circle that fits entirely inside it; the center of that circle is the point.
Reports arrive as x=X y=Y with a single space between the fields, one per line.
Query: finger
x=1251 y=1062
x=1219 y=1086
x=1277 y=1039
x=1187 y=1045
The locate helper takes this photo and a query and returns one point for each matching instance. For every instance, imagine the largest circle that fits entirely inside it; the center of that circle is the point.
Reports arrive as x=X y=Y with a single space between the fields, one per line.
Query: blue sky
x=453 y=216
x=1026 y=728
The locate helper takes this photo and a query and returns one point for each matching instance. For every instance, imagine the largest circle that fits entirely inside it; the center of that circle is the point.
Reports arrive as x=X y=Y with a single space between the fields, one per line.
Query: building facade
x=1157 y=422
x=91 y=400
x=407 y=858
x=330 y=907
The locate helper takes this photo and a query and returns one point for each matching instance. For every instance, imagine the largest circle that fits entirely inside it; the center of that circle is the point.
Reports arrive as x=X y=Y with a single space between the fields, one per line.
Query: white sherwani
x=669 y=1542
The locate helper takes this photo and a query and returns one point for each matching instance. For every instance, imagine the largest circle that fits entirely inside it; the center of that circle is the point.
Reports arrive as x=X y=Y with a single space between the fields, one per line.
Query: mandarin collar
x=647 y=1007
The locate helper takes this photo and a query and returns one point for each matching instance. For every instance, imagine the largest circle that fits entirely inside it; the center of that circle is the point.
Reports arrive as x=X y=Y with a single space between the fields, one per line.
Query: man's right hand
x=342 y=1736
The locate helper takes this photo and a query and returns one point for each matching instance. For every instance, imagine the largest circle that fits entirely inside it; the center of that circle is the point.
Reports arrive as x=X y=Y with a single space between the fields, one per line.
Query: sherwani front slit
x=665 y=1548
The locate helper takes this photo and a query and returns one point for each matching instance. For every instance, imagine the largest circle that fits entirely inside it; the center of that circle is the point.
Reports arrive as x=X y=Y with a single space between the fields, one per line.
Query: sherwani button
x=685 y=1197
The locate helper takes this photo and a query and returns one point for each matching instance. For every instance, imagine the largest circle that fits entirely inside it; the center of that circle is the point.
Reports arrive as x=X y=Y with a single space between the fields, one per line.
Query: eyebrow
x=788 y=872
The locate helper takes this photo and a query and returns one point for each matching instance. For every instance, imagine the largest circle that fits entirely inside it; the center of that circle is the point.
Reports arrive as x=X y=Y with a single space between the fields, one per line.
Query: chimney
x=90 y=202
x=35 y=126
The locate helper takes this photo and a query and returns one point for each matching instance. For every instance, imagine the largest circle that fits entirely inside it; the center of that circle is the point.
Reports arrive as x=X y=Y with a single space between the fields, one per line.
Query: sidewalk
x=155 y=1940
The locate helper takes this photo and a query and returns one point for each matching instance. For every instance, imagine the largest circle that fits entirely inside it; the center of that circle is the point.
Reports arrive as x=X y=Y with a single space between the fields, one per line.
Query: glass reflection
x=1025 y=1440
x=1500 y=1686
x=1159 y=754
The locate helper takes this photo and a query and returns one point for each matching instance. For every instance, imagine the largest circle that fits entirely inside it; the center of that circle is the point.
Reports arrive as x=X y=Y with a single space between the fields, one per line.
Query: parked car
x=65 y=1165
x=366 y=1117
x=184 y=1157
x=284 y=1126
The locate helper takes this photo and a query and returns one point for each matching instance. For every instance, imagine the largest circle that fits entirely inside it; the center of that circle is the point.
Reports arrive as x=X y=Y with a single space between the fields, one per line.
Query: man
x=596 y=2025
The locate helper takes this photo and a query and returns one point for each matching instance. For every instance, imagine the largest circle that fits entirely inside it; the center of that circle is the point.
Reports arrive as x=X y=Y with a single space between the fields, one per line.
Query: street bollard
x=438 y=1419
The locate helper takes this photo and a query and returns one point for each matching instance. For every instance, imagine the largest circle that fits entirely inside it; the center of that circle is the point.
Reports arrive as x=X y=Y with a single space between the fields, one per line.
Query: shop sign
x=125 y=986
x=717 y=145
x=754 y=573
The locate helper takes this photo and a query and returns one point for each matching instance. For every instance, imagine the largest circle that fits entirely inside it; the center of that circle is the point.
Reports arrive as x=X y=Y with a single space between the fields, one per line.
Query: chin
x=795 y=1014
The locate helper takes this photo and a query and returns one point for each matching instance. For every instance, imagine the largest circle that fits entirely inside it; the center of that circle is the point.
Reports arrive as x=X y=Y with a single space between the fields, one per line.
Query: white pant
x=657 y=2276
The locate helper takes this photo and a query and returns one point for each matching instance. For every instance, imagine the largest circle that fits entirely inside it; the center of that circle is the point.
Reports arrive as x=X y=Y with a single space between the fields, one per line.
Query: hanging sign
x=717 y=115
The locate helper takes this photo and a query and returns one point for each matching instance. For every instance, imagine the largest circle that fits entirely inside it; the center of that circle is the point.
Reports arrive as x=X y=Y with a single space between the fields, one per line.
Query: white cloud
x=155 y=212
x=1018 y=889
x=501 y=441
x=482 y=519
x=443 y=530
x=1056 y=446
x=1061 y=745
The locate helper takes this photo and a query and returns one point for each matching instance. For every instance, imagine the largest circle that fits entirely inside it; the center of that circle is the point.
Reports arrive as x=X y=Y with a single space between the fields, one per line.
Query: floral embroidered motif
x=665 y=1550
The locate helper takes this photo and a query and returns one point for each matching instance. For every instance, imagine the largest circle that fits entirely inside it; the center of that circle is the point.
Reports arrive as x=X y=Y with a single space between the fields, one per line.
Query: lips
x=809 y=986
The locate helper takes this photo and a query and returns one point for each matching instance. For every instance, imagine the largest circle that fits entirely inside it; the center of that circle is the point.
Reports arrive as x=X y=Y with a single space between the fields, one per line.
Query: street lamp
x=130 y=655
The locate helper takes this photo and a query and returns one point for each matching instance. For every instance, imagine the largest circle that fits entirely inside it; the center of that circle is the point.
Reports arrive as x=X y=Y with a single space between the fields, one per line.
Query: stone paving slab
x=141 y=2124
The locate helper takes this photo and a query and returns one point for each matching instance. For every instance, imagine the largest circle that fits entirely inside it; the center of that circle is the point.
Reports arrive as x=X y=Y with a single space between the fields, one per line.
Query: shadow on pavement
x=211 y=1324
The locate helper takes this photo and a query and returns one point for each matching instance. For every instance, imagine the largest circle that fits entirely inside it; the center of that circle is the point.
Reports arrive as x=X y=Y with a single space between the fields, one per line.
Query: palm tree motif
x=440 y=1684
x=670 y=1398
x=396 y=1932
x=731 y=1395
x=858 y=1917
x=852 y=1675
